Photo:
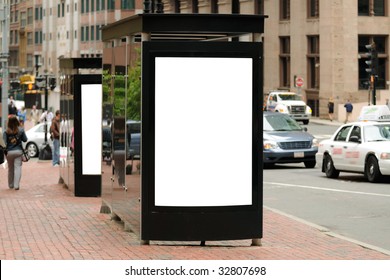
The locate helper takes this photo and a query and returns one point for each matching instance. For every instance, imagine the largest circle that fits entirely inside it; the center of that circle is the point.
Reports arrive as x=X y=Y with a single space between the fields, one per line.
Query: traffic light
x=40 y=82
x=372 y=61
x=52 y=83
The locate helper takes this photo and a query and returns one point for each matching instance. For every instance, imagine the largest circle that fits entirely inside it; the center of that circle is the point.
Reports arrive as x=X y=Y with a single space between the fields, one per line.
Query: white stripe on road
x=326 y=189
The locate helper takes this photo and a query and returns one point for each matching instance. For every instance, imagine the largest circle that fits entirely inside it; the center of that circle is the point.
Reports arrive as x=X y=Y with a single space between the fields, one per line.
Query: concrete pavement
x=43 y=220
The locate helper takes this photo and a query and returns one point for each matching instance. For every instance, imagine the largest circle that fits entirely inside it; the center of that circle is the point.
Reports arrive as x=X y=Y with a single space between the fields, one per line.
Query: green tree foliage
x=115 y=86
x=134 y=91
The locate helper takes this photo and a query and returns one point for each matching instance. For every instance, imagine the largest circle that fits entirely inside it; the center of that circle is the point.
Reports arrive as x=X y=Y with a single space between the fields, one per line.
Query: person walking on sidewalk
x=330 y=108
x=34 y=115
x=55 y=135
x=13 y=137
x=348 y=108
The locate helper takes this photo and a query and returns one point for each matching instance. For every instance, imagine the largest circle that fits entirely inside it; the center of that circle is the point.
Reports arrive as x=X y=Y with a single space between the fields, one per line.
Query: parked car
x=133 y=139
x=35 y=138
x=285 y=141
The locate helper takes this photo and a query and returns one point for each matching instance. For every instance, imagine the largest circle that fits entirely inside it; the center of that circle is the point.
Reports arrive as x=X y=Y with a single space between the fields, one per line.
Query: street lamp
x=37 y=65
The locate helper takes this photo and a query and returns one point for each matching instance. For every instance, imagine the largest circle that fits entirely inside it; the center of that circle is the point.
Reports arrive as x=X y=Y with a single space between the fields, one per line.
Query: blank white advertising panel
x=203 y=131
x=91 y=123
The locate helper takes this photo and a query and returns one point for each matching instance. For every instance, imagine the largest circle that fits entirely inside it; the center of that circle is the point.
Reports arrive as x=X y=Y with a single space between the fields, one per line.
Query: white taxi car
x=360 y=147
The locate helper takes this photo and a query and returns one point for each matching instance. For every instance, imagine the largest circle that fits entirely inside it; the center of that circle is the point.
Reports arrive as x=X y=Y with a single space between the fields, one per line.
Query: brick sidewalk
x=43 y=220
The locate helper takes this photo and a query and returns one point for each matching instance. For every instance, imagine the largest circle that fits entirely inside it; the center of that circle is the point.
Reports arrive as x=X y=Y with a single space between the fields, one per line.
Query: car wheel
x=329 y=169
x=372 y=171
x=310 y=164
x=32 y=149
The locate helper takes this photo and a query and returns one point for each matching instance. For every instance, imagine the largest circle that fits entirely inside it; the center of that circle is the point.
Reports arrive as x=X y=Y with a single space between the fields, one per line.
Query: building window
x=110 y=4
x=92 y=33
x=38 y=13
x=381 y=43
x=38 y=37
x=313 y=59
x=235 y=6
x=214 y=6
x=259 y=7
x=127 y=4
x=98 y=33
x=313 y=8
x=23 y=19
x=285 y=62
x=177 y=6
x=30 y=17
x=29 y=38
x=285 y=9
x=195 y=6
x=371 y=7
x=29 y=60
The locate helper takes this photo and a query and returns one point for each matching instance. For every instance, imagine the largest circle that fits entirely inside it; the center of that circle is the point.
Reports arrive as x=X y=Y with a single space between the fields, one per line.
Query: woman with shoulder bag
x=13 y=137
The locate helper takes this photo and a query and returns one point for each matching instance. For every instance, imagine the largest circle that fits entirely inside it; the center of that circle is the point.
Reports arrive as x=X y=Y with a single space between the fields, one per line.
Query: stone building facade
x=319 y=41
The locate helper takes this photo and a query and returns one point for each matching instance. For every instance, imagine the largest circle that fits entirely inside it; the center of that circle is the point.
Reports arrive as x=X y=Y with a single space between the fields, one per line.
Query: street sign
x=299 y=82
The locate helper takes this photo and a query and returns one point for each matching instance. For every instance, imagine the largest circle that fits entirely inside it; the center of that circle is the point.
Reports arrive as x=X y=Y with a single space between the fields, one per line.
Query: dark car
x=133 y=129
x=133 y=139
x=285 y=141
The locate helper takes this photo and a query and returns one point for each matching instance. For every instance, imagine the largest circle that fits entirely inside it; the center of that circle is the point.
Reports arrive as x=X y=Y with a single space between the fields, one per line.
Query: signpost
x=299 y=84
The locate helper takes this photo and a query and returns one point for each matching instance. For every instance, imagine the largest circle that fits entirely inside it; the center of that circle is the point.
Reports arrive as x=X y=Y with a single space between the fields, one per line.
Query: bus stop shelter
x=194 y=83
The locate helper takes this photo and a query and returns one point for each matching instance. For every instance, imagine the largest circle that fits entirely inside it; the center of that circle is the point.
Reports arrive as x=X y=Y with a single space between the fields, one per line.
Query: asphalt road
x=349 y=206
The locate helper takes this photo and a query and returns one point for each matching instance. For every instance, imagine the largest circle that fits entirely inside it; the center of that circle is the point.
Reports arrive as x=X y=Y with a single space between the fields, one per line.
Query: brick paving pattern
x=44 y=220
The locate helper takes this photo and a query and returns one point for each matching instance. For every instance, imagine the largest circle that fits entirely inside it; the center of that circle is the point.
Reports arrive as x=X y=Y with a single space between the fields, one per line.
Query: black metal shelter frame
x=184 y=35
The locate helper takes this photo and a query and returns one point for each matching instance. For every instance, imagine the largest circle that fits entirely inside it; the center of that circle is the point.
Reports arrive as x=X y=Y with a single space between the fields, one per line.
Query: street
x=349 y=206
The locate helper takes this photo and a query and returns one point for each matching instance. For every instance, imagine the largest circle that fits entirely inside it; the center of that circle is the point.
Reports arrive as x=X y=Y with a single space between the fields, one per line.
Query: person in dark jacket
x=348 y=108
x=331 y=108
x=13 y=137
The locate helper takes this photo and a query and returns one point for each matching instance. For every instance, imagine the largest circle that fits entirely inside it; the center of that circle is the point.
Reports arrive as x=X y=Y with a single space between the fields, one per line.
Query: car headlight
x=269 y=145
x=315 y=143
x=385 y=155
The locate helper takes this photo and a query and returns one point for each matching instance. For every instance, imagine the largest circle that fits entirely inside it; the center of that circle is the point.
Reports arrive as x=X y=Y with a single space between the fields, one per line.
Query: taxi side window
x=342 y=134
x=355 y=132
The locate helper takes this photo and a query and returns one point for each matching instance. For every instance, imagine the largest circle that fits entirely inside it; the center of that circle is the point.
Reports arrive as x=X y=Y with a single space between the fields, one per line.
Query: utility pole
x=4 y=22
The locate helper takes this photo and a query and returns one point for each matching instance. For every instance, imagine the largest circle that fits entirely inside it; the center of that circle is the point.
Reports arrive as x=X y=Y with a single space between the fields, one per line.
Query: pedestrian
x=348 y=108
x=330 y=108
x=34 y=115
x=22 y=116
x=12 y=110
x=55 y=135
x=49 y=116
x=13 y=137
x=43 y=117
x=64 y=128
